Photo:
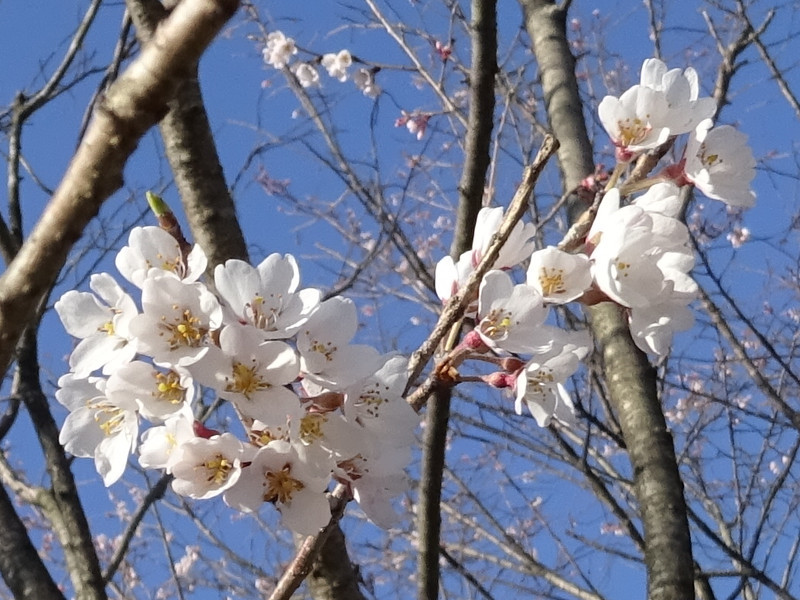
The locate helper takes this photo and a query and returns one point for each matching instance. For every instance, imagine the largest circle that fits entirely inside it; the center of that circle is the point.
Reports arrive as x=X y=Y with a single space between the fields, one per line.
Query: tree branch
x=483 y=33
x=630 y=378
x=135 y=102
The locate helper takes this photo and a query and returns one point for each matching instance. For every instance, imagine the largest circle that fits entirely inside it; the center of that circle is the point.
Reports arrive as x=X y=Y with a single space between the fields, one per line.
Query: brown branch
x=457 y=305
x=483 y=33
x=135 y=102
x=299 y=568
x=480 y=124
x=193 y=157
x=20 y=564
x=545 y=22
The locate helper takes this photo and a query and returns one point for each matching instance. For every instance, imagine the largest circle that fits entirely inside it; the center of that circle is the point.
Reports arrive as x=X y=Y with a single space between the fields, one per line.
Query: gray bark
x=630 y=378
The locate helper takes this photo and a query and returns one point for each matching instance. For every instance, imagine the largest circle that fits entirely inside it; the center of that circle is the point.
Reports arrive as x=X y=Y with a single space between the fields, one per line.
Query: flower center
x=709 y=160
x=169 y=388
x=218 y=468
x=261 y=316
x=497 y=323
x=311 y=427
x=623 y=269
x=632 y=131
x=186 y=330
x=245 y=380
x=539 y=382
x=108 y=417
x=327 y=349
x=280 y=485
x=552 y=281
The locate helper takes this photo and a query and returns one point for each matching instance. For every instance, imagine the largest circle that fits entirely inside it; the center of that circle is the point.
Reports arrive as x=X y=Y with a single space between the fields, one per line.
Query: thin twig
x=457 y=305
x=297 y=570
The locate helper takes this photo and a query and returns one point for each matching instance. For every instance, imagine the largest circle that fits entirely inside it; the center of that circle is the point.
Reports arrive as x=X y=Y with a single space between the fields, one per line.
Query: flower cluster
x=636 y=253
x=314 y=407
x=280 y=50
x=665 y=104
x=510 y=318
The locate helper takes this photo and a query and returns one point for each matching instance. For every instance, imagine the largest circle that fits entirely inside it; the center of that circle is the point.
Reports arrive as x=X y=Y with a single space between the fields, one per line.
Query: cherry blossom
x=519 y=246
x=663 y=198
x=326 y=355
x=97 y=426
x=629 y=244
x=337 y=64
x=158 y=393
x=681 y=90
x=377 y=404
x=158 y=443
x=635 y=121
x=558 y=276
x=652 y=327
x=511 y=316
x=450 y=275
x=664 y=104
x=325 y=436
x=416 y=123
x=266 y=296
x=364 y=79
x=252 y=373
x=376 y=481
x=204 y=468
x=306 y=74
x=176 y=321
x=101 y=323
x=277 y=474
x=720 y=163
x=539 y=385
x=279 y=50
x=152 y=250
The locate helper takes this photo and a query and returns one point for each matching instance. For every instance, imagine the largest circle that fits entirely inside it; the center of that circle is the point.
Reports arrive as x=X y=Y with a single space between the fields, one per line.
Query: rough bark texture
x=192 y=154
x=631 y=379
x=473 y=180
x=332 y=574
x=429 y=518
x=20 y=565
x=480 y=123
x=631 y=384
x=545 y=23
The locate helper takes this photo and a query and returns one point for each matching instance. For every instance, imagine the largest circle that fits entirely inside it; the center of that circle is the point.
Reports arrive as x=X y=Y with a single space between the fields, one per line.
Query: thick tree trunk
x=473 y=181
x=630 y=377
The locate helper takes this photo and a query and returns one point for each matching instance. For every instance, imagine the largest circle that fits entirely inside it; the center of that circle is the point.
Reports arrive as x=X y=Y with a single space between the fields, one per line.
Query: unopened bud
x=499 y=380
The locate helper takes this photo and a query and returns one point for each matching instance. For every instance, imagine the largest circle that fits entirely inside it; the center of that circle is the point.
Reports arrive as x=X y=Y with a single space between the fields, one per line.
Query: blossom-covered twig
x=457 y=305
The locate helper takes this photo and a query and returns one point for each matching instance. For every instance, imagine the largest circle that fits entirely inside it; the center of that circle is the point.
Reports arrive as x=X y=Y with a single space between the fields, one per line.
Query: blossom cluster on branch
x=636 y=253
x=279 y=52
x=313 y=406
x=316 y=408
